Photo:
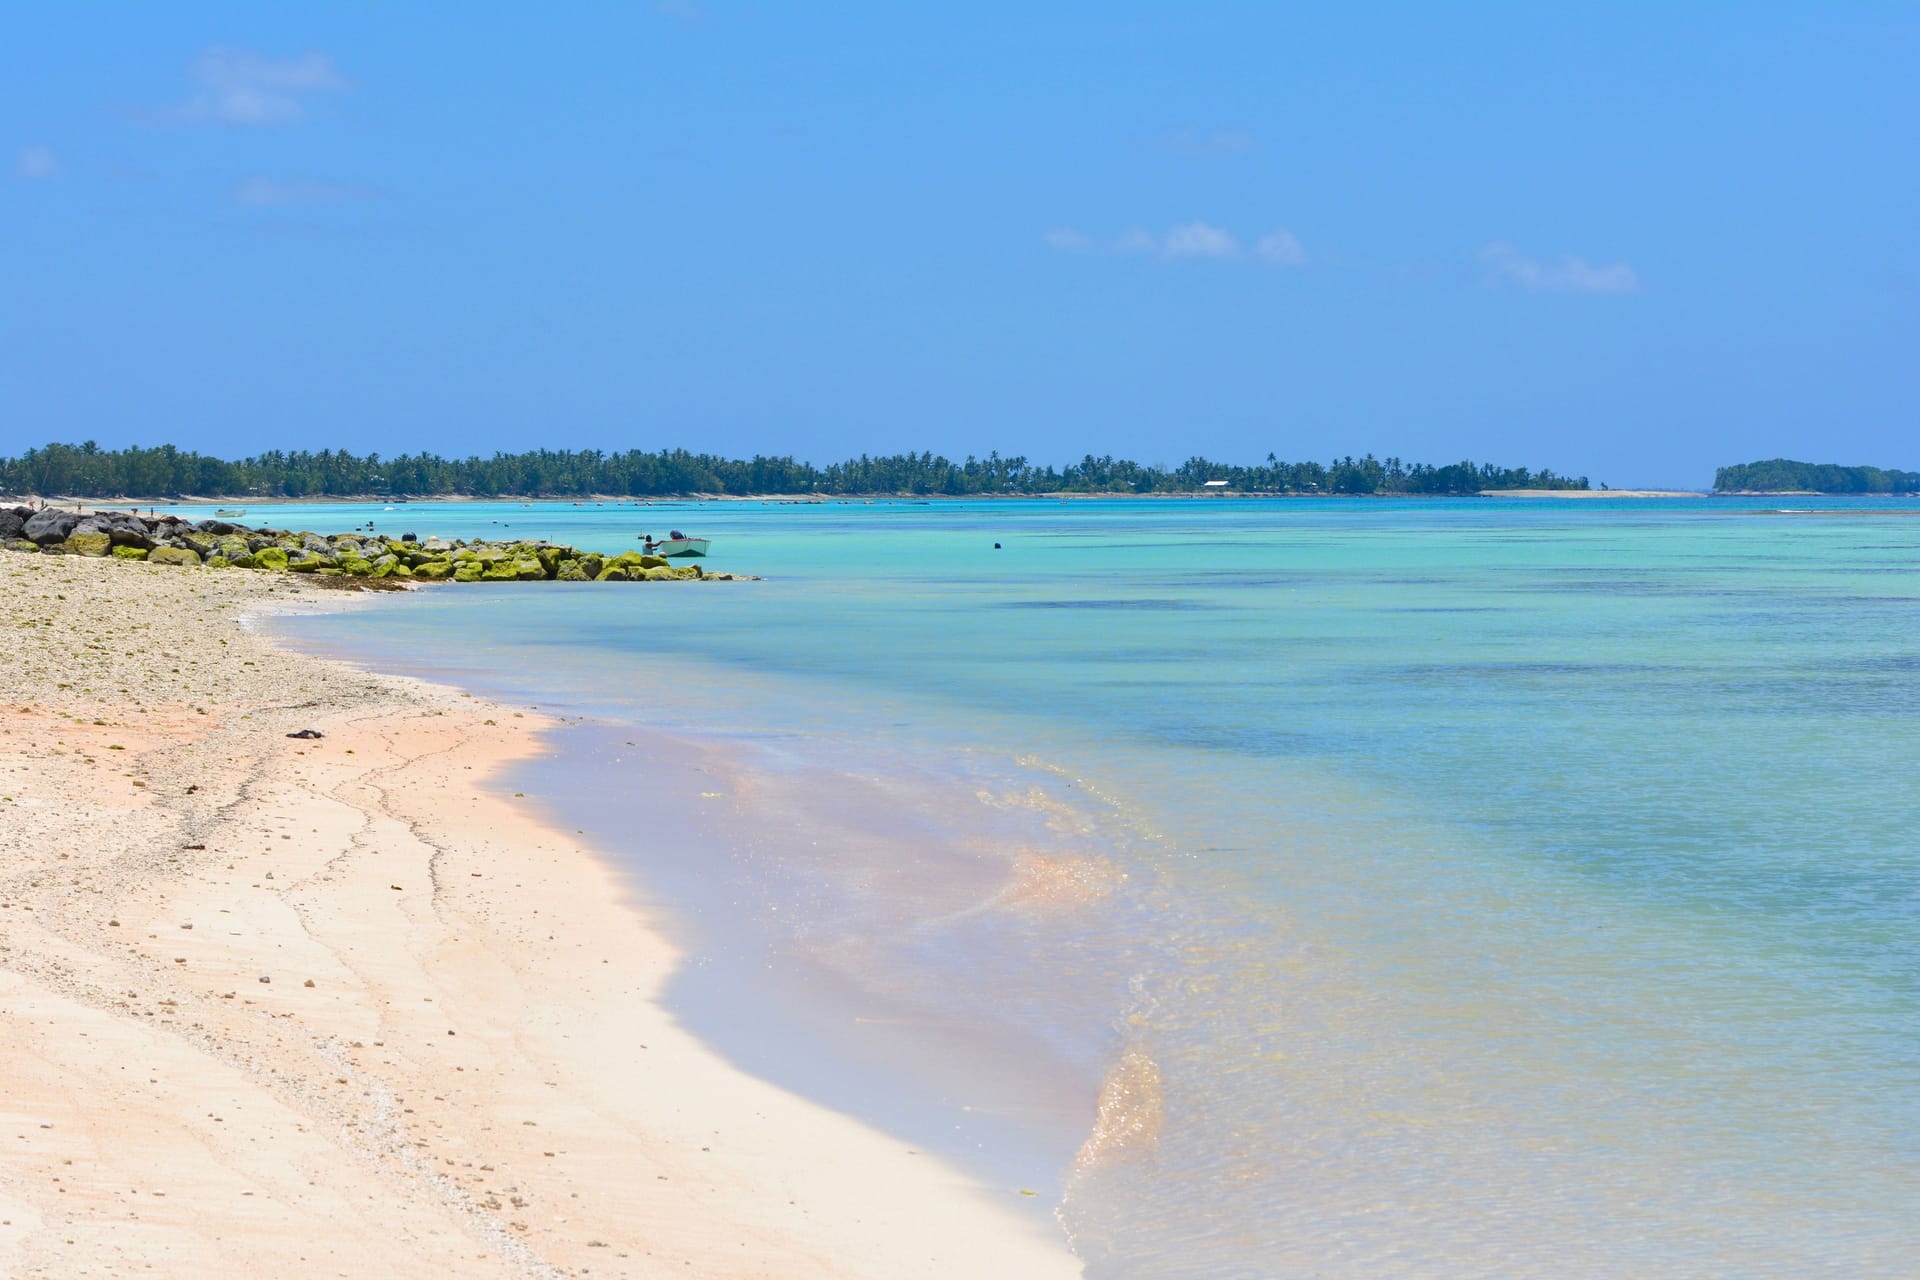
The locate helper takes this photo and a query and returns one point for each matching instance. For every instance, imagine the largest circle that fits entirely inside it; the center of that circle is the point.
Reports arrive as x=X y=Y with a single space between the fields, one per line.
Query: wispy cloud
x=1200 y=240
x=36 y=162
x=1280 y=248
x=1208 y=142
x=1562 y=275
x=1188 y=240
x=281 y=192
x=239 y=87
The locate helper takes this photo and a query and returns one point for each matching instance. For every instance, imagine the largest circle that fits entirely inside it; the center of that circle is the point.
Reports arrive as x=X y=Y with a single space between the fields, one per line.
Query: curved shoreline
x=480 y=1080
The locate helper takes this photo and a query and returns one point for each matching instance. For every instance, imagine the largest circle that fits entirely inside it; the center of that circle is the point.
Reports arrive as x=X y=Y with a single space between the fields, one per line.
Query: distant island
x=1781 y=475
x=88 y=471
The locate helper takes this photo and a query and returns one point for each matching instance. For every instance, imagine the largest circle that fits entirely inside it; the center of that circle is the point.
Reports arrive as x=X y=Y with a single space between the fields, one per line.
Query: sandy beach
x=332 y=1007
x=1577 y=494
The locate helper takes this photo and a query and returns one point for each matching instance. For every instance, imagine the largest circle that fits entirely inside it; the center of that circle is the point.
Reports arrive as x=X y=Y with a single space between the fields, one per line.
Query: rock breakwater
x=221 y=544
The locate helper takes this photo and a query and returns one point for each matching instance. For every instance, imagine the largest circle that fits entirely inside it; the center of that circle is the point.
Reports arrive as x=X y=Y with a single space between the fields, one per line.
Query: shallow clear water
x=1428 y=888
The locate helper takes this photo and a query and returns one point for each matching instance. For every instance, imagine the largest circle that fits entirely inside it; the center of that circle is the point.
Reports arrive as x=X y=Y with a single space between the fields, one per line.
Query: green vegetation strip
x=1780 y=475
x=87 y=471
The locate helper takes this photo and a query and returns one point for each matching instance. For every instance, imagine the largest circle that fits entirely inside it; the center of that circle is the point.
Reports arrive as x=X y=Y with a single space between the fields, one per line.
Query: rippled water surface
x=1478 y=887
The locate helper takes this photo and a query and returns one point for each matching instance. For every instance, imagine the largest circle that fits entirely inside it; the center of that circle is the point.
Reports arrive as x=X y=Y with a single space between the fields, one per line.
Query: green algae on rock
x=219 y=544
x=88 y=544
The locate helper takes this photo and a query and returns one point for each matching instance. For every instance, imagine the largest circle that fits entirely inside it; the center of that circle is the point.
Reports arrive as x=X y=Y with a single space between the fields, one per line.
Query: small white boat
x=676 y=545
x=227 y=513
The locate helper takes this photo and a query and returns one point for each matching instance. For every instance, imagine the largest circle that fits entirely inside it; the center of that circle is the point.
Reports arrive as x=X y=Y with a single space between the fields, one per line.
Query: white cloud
x=36 y=162
x=279 y=192
x=1208 y=142
x=1200 y=240
x=239 y=87
x=1566 y=275
x=1280 y=248
x=1195 y=239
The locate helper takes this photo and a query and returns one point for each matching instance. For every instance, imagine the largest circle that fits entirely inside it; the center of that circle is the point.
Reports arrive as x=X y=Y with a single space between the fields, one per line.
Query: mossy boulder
x=274 y=558
x=468 y=571
x=173 y=555
x=22 y=544
x=571 y=571
x=654 y=562
x=612 y=571
x=356 y=565
x=530 y=569
x=433 y=570
x=130 y=553
x=88 y=544
x=217 y=561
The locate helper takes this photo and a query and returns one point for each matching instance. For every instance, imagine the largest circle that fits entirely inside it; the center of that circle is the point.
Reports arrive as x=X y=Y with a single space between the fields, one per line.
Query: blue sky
x=1631 y=241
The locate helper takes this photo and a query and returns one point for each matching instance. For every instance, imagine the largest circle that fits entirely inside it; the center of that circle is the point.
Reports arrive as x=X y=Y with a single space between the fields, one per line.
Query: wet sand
x=331 y=1007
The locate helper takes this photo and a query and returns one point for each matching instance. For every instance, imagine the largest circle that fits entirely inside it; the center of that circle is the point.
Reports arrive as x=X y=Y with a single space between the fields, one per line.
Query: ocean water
x=1277 y=888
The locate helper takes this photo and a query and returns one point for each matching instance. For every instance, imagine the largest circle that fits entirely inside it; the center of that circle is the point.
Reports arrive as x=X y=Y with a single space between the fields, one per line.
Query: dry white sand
x=1593 y=493
x=291 y=1009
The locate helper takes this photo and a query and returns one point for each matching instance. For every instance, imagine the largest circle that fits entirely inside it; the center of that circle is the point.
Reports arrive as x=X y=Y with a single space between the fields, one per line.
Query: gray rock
x=124 y=528
x=50 y=526
x=12 y=521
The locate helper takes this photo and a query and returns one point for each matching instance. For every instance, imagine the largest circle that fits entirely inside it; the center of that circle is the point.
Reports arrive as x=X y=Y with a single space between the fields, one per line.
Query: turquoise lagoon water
x=1278 y=888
